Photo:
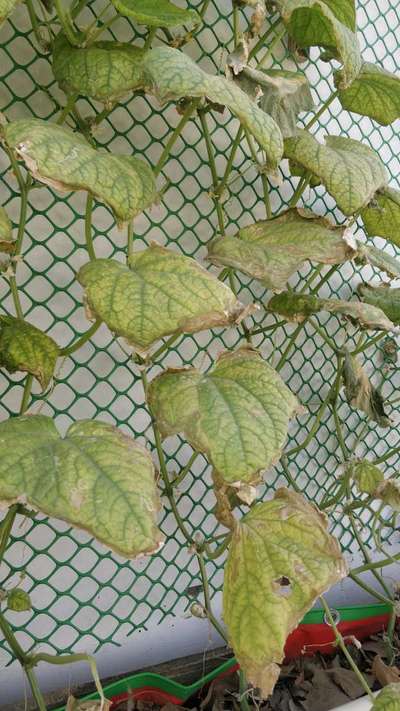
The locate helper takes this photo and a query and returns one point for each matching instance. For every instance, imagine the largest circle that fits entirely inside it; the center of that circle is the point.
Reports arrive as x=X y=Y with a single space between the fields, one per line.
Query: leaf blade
x=7 y=244
x=96 y=478
x=27 y=348
x=238 y=415
x=162 y=293
x=375 y=92
x=280 y=560
x=65 y=161
x=156 y=14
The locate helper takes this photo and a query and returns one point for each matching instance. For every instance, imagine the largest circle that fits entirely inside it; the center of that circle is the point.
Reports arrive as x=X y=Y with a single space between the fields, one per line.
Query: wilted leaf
x=237 y=414
x=97 y=479
x=281 y=94
x=366 y=475
x=329 y=24
x=375 y=92
x=171 y=75
x=360 y=392
x=18 y=600
x=378 y=258
x=297 y=307
x=281 y=558
x=6 y=8
x=159 y=13
x=24 y=347
x=350 y=171
x=105 y=71
x=383 y=673
x=382 y=217
x=388 y=491
x=161 y=293
x=7 y=244
x=272 y=250
x=383 y=297
x=388 y=699
x=65 y=161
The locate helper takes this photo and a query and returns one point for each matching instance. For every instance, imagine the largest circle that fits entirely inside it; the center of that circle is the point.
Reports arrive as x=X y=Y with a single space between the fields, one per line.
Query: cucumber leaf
x=378 y=258
x=6 y=8
x=383 y=297
x=360 y=392
x=65 y=161
x=159 y=13
x=7 y=244
x=273 y=250
x=329 y=24
x=298 y=307
x=96 y=478
x=281 y=559
x=351 y=172
x=237 y=414
x=388 y=699
x=375 y=92
x=160 y=294
x=366 y=475
x=382 y=217
x=24 y=347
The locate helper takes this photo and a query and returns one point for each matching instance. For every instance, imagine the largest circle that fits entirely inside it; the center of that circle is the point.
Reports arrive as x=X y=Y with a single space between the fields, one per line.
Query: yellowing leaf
x=160 y=294
x=383 y=297
x=281 y=558
x=272 y=250
x=375 y=92
x=388 y=699
x=7 y=243
x=378 y=258
x=105 y=71
x=156 y=13
x=65 y=161
x=281 y=94
x=77 y=705
x=96 y=478
x=171 y=75
x=329 y=24
x=360 y=392
x=237 y=414
x=366 y=475
x=350 y=171
x=297 y=307
x=382 y=217
x=24 y=347
x=6 y=8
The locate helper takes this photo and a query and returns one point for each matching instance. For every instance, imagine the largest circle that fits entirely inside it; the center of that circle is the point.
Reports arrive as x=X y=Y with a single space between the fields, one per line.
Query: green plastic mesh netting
x=84 y=596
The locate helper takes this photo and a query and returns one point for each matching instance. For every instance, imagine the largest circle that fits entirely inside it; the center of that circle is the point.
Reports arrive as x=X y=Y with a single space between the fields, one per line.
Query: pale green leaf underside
x=105 y=71
x=388 y=491
x=284 y=94
x=65 y=161
x=297 y=307
x=96 y=478
x=384 y=297
x=388 y=699
x=279 y=541
x=360 y=392
x=272 y=250
x=374 y=93
x=172 y=75
x=378 y=258
x=7 y=244
x=367 y=476
x=156 y=13
x=237 y=414
x=382 y=219
x=161 y=294
x=6 y=8
x=350 y=171
x=24 y=347
x=325 y=24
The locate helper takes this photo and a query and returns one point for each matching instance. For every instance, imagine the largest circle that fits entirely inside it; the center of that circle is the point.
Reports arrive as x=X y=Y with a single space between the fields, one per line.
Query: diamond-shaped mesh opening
x=78 y=588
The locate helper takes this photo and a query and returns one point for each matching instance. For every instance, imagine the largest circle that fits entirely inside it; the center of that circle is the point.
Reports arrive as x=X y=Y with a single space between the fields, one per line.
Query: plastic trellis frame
x=83 y=595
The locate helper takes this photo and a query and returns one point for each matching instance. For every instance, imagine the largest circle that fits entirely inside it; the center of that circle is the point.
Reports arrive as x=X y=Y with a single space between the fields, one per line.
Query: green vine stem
x=342 y=645
x=189 y=111
x=68 y=350
x=88 y=227
x=213 y=170
x=66 y=23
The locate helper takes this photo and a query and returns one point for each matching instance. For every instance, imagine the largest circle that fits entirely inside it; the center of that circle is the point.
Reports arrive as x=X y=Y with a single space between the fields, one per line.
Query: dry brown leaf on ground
x=383 y=673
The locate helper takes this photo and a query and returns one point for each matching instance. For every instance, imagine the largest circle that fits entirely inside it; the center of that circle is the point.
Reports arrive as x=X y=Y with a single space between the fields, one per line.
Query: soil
x=317 y=683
